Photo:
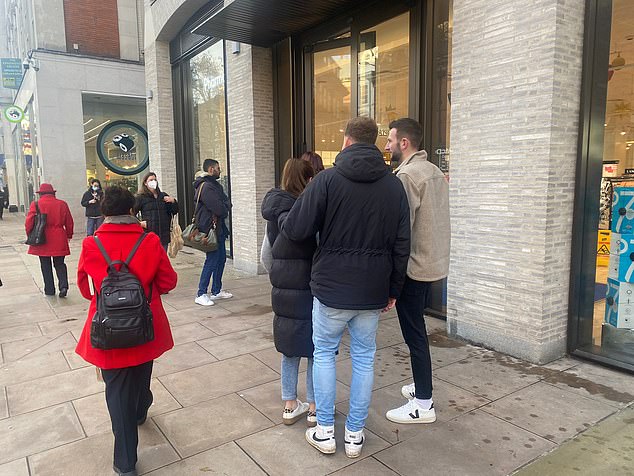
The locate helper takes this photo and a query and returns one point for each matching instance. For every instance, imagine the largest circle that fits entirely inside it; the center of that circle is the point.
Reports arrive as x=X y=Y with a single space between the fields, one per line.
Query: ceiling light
x=623 y=133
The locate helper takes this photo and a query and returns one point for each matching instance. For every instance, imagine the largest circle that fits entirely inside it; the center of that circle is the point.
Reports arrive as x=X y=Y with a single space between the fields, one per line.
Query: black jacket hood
x=361 y=163
x=276 y=202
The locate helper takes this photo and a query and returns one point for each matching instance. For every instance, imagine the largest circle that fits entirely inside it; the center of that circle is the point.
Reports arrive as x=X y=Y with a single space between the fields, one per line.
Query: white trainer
x=222 y=294
x=412 y=412
x=204 y=300
x=353 y=442
x=409 y=391
x=291 y=416
x=322 y=438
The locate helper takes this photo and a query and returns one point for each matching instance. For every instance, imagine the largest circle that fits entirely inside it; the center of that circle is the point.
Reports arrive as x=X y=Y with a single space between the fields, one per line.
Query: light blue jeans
x=290 y=369
x=328 y=327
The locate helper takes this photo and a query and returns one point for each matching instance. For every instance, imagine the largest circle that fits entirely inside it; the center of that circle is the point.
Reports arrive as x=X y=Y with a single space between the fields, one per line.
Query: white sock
x=425 y=404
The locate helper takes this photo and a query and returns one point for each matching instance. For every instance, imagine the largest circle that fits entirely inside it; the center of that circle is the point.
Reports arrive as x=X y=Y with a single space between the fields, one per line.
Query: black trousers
x=410 y=308
x=128 y=397
x=47 y=273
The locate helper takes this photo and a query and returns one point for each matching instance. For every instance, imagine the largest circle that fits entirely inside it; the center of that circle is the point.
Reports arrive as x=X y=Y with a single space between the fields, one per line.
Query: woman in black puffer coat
x=156 y=208
x=291 y=298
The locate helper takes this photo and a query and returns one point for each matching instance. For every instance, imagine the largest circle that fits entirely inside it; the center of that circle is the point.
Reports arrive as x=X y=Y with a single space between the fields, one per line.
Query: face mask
x=152 y=184
x=95 y=187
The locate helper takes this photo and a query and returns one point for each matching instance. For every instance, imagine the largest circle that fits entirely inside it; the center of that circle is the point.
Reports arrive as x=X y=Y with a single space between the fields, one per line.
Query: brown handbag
x=192 y=236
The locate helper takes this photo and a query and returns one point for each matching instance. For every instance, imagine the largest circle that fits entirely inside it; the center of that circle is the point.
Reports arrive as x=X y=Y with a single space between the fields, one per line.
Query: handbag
x=195 y=238
x=176 y=238
x=36 y=236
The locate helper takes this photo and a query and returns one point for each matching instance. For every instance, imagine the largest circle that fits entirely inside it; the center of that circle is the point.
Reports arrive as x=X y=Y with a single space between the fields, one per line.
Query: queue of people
x=341 y=246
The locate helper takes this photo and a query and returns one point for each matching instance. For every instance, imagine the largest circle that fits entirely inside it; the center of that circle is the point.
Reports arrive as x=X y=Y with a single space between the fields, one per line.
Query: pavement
x=217 y=402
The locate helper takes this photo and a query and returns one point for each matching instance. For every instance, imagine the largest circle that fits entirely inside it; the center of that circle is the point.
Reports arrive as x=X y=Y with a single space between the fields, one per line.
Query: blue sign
x=11 y=72
x=122 y=146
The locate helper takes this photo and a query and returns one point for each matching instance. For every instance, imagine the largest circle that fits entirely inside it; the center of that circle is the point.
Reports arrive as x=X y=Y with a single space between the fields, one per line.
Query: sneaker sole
x=326 y=451
x=410 y=422
x=353 y=455
x=216 y=297
x=204 y=305
x=290 y=421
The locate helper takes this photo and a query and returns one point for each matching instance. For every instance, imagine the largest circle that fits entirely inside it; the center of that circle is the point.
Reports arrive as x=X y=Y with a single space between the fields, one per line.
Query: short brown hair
x=315 y=160
x=362 y=129
x=406 y=127
x=296 y=175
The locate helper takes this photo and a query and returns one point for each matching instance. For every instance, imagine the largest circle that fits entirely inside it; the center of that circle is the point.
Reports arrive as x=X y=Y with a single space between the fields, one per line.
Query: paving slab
x=93 y=411
x=238 y=343
x=74 y=360
x=93 y=456
x=4 y=408
x=229 y=323
x=365 y=467
x=191 y=315
x=181 y=357
x=48 y=391
x=224 y=460
x=191 y=429
x=15 y=315
x=11 y=334
x=63 y=324
x=32 y=368
x=190 y=332
x=449 y=401
x=41 y=430
x=549 y=411
x=18 y=467
x=391 y=365
x=216 y=379
x=270 y=448
x=37 y=346
x=475 y=444
x=252 y=307
x=599 y=383
x=490 y=375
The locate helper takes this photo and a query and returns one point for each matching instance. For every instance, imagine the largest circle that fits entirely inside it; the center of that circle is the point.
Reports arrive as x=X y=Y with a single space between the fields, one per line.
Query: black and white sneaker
x=322 y=438
x=353 y=442
x=409 y=391
x=412 y=412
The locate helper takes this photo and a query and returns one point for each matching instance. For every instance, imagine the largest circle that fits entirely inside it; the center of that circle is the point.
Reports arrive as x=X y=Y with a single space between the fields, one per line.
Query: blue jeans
x=92 y=223
x=328 y=327
x=290 y=369
x=214 y=265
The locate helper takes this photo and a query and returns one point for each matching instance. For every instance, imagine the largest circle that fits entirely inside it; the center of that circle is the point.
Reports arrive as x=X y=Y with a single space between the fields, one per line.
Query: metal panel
x=255 y=22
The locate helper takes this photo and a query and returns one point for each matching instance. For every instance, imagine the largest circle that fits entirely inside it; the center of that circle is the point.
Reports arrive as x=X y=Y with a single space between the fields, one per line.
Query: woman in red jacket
x=58 y=230
x=126 y=372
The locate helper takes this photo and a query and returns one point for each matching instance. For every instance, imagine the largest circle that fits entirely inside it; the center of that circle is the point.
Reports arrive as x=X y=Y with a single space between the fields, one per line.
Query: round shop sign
x=14 y=114
x=122 y=146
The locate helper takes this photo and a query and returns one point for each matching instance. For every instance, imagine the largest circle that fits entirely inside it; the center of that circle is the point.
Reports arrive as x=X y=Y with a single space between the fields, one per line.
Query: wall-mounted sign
x=122 y=146
x=11 y=72
x=14 y=114
x=629 y=171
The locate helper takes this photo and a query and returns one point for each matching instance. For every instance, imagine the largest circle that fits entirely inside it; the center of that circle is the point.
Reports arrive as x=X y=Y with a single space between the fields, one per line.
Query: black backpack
x=123 y=318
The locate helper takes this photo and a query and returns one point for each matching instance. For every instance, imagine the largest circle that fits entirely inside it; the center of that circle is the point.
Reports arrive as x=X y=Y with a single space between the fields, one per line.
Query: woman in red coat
x=59 y=229
x=126 y=372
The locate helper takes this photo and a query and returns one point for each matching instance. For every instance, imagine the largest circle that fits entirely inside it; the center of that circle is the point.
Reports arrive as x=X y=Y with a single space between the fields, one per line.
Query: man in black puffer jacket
x=360 y=210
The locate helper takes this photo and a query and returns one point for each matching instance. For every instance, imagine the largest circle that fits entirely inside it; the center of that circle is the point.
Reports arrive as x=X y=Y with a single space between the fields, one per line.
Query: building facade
x=527 y=109
x=82 y=75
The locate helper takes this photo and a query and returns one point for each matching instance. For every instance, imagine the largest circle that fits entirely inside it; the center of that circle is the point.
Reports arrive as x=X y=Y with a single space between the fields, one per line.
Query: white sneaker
x=221 y=295
x=204 y=300
x=322 y=438
x=409 y=391
x=411 y=412
x=353 y=442
x=291 y=416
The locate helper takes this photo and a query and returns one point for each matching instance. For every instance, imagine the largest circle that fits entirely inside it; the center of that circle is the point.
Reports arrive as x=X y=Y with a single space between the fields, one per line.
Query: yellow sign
x=603 y=248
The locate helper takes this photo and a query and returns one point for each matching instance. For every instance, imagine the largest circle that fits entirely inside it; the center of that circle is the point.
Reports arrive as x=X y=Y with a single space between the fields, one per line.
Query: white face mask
x=152 y=184
x=95 y=187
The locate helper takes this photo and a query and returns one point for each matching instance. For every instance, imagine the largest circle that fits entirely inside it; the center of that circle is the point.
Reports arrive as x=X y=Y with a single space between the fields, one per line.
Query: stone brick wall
x=251 y=148
x=514 y=124
x=93 y=25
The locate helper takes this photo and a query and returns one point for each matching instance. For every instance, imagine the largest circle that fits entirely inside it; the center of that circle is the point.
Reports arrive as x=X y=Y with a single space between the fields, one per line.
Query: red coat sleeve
x=69 y=225
x=82 y=275
x=166 y=278
x=30 y=219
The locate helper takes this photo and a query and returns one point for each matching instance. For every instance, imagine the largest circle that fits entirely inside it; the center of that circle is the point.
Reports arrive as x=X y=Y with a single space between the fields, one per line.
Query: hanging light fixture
x=619 y=61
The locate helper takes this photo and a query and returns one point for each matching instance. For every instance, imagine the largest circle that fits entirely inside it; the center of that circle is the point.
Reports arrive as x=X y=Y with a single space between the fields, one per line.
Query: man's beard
x=397 y=155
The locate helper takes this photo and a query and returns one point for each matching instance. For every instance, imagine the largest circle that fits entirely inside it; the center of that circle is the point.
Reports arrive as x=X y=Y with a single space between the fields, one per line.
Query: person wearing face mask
x=156 y=208
x=91 y=201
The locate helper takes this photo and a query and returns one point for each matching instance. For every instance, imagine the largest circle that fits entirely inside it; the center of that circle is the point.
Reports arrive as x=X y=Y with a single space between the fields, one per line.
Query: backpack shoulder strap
x=103 y=250
x=134 y=248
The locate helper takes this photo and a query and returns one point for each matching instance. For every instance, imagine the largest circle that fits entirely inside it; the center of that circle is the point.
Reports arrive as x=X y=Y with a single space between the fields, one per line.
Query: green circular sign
x=122 y=146
x=14 y=114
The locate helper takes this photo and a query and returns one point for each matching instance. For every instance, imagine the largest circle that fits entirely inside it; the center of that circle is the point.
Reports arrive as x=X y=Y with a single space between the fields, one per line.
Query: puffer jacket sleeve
x=307 y=215
x=401 y=249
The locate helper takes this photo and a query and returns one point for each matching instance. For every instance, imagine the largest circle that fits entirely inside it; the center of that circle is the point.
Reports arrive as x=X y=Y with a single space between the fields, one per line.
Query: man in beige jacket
x=428 y=196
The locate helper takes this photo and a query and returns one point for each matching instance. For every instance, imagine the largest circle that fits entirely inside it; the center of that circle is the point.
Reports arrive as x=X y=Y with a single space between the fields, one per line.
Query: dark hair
x=209 y=163
x=92 y=181
x=296 y=175
x=362 y=129
x=315 y=160
x=116 y=201
x=143 y=190
x=409 y=128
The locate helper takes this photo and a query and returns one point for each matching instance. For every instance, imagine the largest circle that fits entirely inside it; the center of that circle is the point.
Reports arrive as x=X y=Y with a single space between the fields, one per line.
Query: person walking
x=57 y=233
x=91 y=201
x=156 y=208
x=361 y=214
x=212 y=209
x=291 y=299
x=2 y=200
x=428 y=196
x=126 y=372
